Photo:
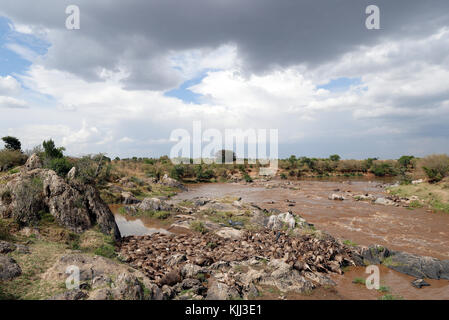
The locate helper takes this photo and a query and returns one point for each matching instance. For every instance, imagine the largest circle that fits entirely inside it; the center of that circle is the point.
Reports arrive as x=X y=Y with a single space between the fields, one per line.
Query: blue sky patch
x=183 y=92
x=340 y=84
x=10 y=61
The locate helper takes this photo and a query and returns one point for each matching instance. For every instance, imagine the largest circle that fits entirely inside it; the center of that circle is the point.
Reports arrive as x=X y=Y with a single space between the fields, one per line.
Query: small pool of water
x=135 y=227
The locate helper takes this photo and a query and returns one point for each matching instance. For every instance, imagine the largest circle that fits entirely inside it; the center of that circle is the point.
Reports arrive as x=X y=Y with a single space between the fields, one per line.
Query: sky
x=136 y=71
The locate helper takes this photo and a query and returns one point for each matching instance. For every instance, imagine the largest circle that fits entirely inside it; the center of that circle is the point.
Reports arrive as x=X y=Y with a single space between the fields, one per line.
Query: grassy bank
x=435 y=196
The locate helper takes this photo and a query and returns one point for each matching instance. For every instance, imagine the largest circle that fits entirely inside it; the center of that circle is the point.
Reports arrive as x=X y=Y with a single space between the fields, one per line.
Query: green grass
x=198 y=226
x=436 y=196
x=384 y=289
x=350 y=243
x=390 y=297
x=359 y=281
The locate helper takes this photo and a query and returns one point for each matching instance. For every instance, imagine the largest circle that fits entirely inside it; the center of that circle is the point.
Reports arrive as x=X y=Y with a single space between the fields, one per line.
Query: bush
x=383 y=168
x=10 y=159
x=61 y=166
x=436 y=167
x=4 y=231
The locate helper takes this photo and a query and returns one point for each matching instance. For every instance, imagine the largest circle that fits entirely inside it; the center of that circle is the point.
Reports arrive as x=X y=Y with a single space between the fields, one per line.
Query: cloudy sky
x=136 y=70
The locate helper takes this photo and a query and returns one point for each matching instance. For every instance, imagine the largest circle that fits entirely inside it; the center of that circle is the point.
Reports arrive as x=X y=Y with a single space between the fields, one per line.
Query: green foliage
x=94 y=169
x=381 y=169
x=198 y=226
x=283 y=176
x=247 y=178
x=60 y=165
x=4 y=231
x=204 y=175
x=436 y=167
x=405 y=161
x=11 y=158
x=106 y=250
x=51 y=151
x=177 y=172
x=12 y=143
x=334 y=157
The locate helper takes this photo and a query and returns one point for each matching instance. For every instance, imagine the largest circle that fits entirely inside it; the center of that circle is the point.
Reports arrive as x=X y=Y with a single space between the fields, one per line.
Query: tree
x=51 y=151
x=405 y=161
x=12 y=143
x=334 y=157
x=225 y=156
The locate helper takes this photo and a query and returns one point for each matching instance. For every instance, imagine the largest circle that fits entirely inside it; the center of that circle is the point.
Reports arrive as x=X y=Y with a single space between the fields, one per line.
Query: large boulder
x=106 y=278
x=33 y=162
x=75 y=205
x=9 y=268
x=277 y=222
x=170 y=182
x=411 y=264
x=153 y=204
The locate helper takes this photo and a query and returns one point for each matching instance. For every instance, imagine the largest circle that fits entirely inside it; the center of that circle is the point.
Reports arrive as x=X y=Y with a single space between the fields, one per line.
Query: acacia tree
x=12 y=143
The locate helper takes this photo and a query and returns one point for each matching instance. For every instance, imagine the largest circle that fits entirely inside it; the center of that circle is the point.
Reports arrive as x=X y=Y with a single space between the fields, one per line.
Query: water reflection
x=135 y=227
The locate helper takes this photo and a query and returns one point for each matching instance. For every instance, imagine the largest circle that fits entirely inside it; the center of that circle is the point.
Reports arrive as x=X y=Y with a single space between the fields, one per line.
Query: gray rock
x=419 y=283
x=128 y=198
x=9 y=268
x=74 y=205
x=169 y=182
x=154 y=204
x=384 y=201
x=335 y=196
x=6 y=247
x=221 y=291
x=33 y=162
x=277 y=222
x=74 y=294
x=71 y=174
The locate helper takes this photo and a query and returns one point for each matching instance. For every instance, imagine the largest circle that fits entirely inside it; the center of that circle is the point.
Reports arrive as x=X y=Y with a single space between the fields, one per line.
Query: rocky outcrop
x=9 y=269
x=170 y=182
x=105 y=278
x=33 y=162
x=74 y=205
x=128 y=198
x=153 y=204
x=411 y=264
x=278 y=222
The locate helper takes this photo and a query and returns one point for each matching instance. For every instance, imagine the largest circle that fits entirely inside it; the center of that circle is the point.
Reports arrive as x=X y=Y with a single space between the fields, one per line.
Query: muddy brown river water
x=412 y=230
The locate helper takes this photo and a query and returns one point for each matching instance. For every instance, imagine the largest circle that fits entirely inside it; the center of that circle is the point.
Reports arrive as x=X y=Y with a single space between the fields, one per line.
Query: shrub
x=383 y=168
x=436 y=167
x=283 y=176
x=247 y=177
x=177 y=172
x=60 y=165
x=4 y=231
x=93 y=169
x=10 y=159
x=106 y=250
x=198 y=226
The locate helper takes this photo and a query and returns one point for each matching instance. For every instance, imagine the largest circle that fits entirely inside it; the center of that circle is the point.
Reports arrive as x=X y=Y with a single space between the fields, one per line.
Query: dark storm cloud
x=139 y=35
